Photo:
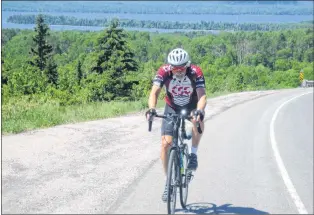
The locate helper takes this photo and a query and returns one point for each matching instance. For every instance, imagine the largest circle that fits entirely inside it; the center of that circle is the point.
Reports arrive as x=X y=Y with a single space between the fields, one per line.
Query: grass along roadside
x=24 y=115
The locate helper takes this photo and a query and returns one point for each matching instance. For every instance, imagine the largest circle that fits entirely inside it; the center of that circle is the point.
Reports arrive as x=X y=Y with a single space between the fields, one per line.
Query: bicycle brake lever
x=199 y=127
x=198 y=124
x=150 y=125
x=150 y=121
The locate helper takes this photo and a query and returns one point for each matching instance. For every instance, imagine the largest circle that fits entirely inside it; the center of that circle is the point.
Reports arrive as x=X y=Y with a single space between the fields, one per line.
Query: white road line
x=284 y=174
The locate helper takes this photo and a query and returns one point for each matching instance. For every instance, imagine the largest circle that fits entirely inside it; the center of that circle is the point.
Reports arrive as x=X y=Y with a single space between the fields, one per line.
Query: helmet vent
x=178 y=57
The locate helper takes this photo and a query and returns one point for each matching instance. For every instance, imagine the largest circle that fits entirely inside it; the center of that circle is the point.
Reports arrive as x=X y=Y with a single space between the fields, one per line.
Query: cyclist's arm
x=200 y=88
x=201 y=94
x=158 y=83
x=154 y=93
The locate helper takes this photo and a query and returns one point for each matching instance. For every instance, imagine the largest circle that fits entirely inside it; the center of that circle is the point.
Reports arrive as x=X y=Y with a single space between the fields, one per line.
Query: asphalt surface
x=113 y=166
x=238 y=172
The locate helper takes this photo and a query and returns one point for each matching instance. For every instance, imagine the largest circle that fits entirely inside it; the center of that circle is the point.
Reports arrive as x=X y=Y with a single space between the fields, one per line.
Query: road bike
x=178 y=175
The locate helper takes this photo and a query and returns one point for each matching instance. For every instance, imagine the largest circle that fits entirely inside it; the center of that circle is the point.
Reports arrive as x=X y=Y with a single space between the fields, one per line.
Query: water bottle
x=188 y=129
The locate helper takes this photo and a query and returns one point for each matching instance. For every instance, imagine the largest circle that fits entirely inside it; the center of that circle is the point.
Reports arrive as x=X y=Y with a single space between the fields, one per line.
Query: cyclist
x=185 y=89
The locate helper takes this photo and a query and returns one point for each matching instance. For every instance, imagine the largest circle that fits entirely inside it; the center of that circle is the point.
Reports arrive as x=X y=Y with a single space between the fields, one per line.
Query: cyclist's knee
x=166 y=141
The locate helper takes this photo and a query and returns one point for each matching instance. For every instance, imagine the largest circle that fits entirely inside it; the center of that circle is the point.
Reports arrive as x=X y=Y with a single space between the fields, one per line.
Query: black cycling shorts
x=166 y=125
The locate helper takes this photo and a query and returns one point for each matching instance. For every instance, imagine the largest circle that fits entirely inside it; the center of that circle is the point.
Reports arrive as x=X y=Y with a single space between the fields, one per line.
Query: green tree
x=309 y=72
x=281 y=43
x=42 y=50
x=116 y=59
x=4 y=78
x=51 y=72
x=309 y=55
x=79 y=72
x=25 y=81
x=113 y=45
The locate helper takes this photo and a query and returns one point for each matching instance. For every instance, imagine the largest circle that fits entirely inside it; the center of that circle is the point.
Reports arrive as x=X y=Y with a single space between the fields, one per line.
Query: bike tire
x=184 y=188
x=171 y=186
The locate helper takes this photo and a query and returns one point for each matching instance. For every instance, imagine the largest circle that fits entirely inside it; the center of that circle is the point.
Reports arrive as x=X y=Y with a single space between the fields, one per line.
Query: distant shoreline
x=245 y=22
x=98 y=28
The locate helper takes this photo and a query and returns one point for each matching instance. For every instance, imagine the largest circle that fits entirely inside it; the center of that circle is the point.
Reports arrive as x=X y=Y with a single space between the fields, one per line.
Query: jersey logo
x=181 y=91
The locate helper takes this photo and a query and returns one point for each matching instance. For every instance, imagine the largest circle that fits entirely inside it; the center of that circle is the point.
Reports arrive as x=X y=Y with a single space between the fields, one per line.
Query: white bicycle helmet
x=178 y=57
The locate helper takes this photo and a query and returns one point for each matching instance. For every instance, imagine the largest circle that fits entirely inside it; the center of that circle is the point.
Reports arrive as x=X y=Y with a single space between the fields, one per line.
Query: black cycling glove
x=151 y=112
x=200 y=113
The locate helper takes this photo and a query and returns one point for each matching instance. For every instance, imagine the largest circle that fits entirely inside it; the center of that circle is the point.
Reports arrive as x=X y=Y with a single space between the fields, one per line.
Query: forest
x=131 y=23
x=54 y=72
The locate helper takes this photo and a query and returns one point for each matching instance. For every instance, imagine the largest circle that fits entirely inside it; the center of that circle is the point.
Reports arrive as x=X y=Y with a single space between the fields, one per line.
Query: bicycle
x=177 y=175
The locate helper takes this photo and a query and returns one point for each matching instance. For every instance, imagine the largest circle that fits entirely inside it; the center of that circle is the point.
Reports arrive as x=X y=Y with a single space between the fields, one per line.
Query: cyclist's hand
x=194 y=118
x=198 y=116
x=150 y=114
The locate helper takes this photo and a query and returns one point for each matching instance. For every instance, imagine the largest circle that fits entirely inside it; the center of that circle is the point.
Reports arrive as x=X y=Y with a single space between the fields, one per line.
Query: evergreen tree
x=116 y=60
x=4 y=78
x=281 y=41
x=42 y=49
x=79 y=72
x=51 y=72
x=113 y=44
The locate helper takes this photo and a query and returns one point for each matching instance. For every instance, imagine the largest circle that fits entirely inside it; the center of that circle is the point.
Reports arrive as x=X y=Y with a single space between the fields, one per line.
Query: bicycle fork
x=185 y=173
x=178 y=180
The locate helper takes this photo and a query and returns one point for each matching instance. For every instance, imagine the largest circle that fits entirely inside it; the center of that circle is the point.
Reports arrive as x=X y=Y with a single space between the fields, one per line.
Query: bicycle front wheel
x=184 y=188
x=172 y=182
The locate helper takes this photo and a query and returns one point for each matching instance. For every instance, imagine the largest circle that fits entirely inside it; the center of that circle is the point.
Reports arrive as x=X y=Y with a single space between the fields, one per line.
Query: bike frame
x=177 y=141
x=180 y=149
x=178 y=146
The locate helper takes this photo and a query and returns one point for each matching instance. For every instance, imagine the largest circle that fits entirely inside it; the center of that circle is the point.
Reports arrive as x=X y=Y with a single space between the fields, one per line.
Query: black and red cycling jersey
x=180 y=93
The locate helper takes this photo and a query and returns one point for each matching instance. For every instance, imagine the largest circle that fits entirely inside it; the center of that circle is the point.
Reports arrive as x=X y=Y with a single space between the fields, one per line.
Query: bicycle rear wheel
x=184 y=188
x=171 y=182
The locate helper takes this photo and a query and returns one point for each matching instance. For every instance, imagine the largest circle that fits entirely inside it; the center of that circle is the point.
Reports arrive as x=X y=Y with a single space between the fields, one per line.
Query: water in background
x=156 y=17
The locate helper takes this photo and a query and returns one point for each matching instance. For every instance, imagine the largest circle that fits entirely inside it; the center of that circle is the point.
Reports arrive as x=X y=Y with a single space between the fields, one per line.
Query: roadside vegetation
x=50 y=77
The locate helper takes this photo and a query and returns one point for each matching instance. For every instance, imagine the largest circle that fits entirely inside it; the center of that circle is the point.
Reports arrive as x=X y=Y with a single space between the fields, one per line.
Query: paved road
x=238 y=170
x=112 y=165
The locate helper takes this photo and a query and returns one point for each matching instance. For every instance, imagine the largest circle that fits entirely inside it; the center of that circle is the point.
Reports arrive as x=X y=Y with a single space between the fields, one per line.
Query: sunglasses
x=178 y=68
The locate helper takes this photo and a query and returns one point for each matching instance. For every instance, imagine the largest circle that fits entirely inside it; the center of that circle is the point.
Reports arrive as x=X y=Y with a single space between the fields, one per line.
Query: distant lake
x=156 y=17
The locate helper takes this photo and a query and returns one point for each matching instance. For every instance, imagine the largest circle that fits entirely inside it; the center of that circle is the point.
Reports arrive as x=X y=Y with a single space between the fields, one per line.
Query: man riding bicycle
x=185 y=88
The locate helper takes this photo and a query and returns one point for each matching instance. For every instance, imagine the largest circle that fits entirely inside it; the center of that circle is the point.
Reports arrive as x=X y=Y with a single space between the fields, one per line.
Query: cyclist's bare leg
x=166 y=141
x=196 y=137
